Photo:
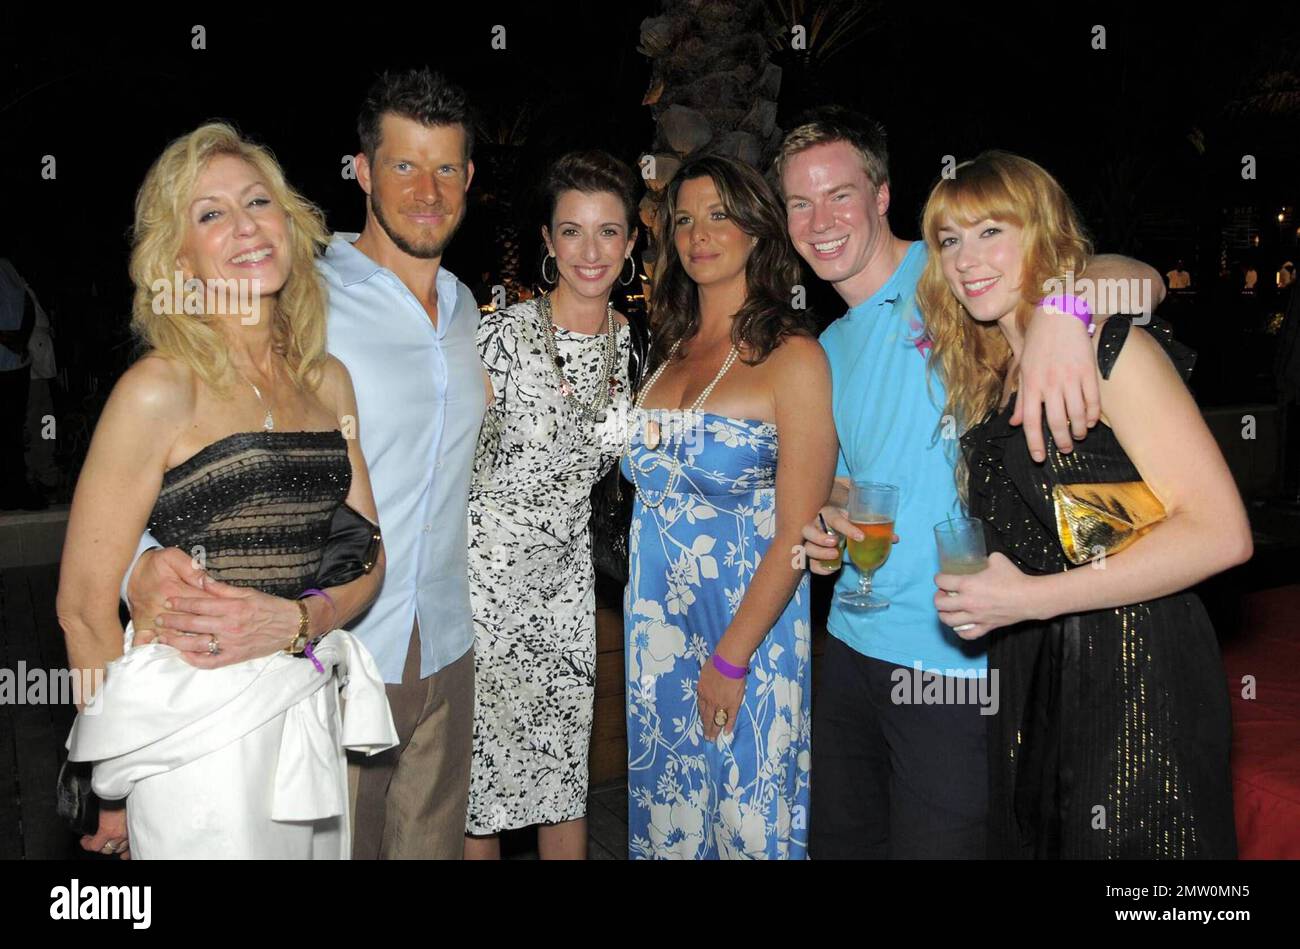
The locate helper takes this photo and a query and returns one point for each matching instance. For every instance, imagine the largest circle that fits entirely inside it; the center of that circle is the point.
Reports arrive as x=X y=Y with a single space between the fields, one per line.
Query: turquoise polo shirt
x=887 y=415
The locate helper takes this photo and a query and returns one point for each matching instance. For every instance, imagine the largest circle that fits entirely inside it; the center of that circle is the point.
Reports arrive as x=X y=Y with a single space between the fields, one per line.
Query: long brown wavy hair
x=771 y=273
x=972 y=358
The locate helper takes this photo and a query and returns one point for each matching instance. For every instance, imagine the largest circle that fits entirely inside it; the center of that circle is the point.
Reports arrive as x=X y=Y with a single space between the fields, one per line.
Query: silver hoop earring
x=631 y=276
x=546 y=279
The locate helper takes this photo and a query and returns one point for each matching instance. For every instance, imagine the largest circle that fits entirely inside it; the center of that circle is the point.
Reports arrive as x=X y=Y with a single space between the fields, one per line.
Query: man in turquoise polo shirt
x=899 y=766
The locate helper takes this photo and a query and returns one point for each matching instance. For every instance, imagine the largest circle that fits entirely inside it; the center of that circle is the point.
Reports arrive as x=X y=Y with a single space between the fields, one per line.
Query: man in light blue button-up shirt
x=406 y=329
x=420 y=395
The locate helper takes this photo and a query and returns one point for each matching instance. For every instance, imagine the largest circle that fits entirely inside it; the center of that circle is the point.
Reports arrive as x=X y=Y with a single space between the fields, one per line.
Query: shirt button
x=428 y=528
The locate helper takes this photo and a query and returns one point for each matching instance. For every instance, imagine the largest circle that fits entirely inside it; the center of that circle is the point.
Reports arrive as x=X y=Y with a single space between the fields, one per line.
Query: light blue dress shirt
x=421 y=397
x=420 y=400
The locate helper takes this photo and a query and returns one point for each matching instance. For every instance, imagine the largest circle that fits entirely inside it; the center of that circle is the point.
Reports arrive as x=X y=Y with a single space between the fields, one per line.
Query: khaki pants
x=409 y=802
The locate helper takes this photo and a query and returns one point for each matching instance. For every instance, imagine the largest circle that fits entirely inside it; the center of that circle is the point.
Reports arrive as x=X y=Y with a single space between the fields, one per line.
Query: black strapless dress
x=1113 y=732
x=255 y=507
x=246 y=760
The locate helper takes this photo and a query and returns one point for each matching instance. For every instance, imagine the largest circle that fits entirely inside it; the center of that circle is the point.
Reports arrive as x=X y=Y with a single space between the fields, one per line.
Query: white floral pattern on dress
x=691 y=560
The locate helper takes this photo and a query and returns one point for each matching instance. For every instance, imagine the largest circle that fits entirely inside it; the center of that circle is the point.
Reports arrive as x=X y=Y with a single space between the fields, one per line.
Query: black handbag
x=350 y=551
x=73 y=799
x=612 y=498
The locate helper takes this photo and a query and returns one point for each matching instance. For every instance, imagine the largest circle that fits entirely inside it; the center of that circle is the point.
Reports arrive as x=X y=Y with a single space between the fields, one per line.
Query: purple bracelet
x=307 y=650
x=311 y=654
x=315 y=592
x=1071 y=306
x=727 y=669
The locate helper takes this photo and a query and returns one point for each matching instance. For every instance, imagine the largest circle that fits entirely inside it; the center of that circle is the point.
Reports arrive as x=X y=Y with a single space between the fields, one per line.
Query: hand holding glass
x=872 y=508
x=961 y=545
x=961 y=549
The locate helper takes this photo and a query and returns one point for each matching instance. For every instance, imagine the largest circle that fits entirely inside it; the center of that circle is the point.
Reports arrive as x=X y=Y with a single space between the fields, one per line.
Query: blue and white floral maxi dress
x=692 y=558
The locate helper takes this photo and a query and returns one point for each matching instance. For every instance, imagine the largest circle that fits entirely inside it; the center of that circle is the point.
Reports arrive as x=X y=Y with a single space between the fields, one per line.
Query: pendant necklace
x=605 y=390
x=651 y=435
x=268 y=423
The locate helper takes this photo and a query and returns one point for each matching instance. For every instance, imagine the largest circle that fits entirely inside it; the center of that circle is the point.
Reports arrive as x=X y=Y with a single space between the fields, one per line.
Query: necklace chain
x=268 y=423
x=675 y=471
x=605 y=387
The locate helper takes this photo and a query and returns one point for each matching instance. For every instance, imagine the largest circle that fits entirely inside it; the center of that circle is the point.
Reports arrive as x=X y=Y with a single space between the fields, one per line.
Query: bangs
x=978 y=193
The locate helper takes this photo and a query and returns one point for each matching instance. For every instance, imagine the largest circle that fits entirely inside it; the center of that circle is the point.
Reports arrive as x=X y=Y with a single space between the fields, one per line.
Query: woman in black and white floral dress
x=559 y=369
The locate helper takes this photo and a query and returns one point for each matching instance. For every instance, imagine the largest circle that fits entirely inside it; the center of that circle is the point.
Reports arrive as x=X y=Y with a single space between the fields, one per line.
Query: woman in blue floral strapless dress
x=691 y=561
x=716 y=609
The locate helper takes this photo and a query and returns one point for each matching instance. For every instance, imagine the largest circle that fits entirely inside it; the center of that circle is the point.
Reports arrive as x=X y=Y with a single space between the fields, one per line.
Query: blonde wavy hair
x=973 y=358
x=161 y=220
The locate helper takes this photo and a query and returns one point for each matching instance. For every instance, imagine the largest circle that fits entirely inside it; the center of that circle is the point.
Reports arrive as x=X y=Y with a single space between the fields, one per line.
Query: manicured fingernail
x=167 y=604
x=158 y=621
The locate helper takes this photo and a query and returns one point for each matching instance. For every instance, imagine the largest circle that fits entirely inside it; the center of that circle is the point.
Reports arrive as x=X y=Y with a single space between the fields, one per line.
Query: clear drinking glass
x=872 y=508
x=961 y=545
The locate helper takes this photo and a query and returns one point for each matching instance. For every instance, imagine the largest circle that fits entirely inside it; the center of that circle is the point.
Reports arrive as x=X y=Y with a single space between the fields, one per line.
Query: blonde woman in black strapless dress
x=233 y=438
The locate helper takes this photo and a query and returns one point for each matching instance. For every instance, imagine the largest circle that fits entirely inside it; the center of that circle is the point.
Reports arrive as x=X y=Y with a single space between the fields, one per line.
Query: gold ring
x=213 y=646
x=720 y=717
x=108 y=848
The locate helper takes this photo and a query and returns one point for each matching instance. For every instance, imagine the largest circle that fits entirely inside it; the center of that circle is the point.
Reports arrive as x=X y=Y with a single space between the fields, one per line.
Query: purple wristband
x=328 y=599
x=1071 y=306
x=727 y=669
x=311 y=654
x=315 y=592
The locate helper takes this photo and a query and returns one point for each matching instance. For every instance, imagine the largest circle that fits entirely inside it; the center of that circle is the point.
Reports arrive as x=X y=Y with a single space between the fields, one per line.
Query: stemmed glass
x=872 y=508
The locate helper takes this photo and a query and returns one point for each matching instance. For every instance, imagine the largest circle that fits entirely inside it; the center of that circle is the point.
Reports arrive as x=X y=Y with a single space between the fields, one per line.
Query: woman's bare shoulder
x=336 y=384
x=797 y=354
x=158 y=384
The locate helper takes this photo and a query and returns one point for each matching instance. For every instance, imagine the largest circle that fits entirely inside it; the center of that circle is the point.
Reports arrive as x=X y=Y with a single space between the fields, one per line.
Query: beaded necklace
x=652 y=432
x=604 y=393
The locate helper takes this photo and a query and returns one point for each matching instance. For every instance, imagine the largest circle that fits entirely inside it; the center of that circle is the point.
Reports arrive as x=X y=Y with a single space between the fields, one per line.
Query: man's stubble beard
x=427 y=251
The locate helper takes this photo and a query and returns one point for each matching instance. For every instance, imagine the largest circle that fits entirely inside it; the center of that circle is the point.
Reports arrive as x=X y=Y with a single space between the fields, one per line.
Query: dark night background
x=1147 y=135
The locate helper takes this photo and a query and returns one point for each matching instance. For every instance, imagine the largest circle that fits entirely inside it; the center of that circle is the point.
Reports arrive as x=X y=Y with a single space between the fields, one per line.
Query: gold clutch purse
x=1092 y=518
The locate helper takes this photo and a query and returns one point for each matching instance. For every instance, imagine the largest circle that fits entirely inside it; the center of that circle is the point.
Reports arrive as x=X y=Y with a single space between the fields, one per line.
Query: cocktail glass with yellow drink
x=872 y=507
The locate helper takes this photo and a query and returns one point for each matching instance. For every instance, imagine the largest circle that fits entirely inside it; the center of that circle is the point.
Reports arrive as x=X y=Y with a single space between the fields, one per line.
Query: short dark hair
x=591 y=172
x=421 y=95
x=833 y=123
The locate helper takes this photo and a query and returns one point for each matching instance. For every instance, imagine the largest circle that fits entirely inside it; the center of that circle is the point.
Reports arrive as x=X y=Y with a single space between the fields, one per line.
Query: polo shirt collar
x=894 y=287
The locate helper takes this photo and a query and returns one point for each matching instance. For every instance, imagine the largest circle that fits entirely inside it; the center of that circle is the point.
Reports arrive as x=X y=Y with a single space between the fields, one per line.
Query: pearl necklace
x=604 y=393
x=651 y=437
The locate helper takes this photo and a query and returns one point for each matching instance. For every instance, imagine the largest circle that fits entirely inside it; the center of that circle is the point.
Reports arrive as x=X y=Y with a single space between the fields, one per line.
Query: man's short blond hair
x=837 y=124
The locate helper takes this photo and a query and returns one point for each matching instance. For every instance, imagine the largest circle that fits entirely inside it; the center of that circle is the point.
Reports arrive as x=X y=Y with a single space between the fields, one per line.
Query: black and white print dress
x=532 y=585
